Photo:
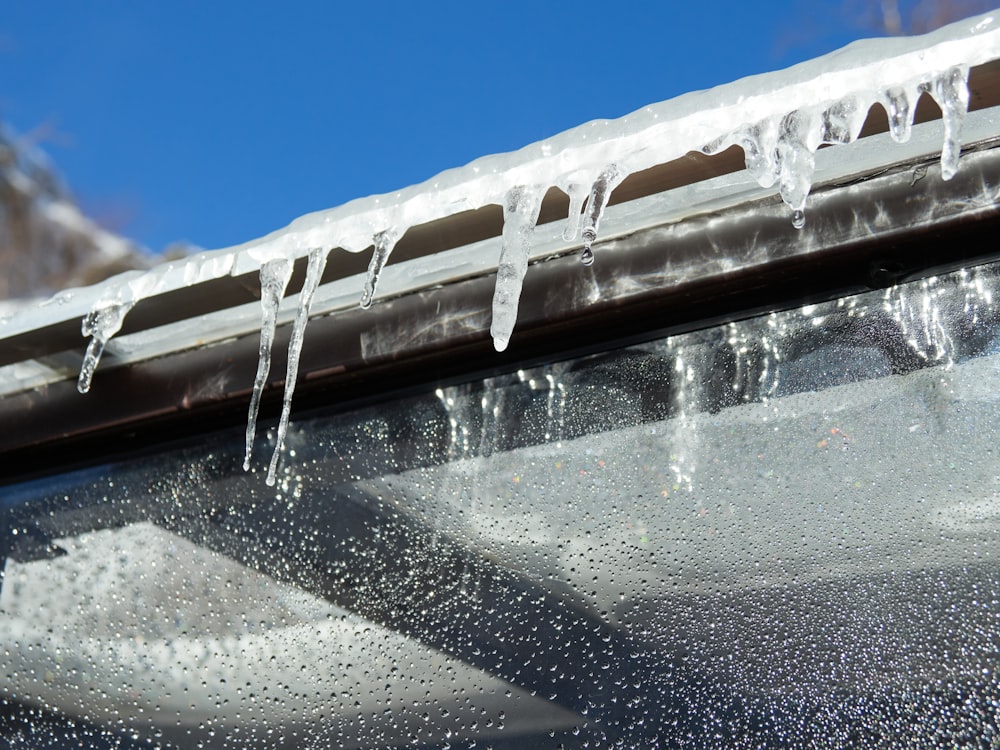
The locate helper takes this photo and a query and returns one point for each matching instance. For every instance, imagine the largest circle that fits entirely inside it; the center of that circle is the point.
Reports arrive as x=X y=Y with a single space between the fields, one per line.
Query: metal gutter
x=863 y=232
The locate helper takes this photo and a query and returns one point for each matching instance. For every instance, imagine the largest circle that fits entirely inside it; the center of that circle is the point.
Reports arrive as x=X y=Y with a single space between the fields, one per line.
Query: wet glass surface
x=777 y=532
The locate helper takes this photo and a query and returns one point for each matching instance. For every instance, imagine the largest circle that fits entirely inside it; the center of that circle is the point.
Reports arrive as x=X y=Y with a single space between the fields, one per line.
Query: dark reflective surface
x=777 y=532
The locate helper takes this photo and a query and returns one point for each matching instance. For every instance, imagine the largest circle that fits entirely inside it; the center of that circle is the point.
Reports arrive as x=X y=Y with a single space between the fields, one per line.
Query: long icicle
x=520 y=212
x=274 y=276
x=314 y=272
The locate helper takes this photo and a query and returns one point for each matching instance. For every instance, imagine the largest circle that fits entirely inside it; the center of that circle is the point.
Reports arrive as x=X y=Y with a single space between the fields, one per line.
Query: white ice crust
x=779 y=119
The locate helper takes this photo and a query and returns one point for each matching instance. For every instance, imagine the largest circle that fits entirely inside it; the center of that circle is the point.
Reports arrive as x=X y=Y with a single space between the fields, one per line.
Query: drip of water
x=384 y=242
x=782 y=151
x=314 y=272
x=587 y=254
x=100 y=324
x=274 y=276
x=520 y=212
x=600 y=192
x=797 y=142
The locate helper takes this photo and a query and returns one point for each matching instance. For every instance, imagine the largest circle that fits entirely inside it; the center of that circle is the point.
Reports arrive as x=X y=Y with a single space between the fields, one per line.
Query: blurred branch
x=892 y=21
x=46 y=243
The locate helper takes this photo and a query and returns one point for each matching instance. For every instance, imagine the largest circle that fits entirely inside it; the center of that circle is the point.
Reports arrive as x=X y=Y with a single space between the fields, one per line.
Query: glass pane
x=776 y=532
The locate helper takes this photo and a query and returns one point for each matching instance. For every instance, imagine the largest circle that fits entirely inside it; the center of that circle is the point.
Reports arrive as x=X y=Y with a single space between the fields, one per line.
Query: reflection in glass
x=775 y=532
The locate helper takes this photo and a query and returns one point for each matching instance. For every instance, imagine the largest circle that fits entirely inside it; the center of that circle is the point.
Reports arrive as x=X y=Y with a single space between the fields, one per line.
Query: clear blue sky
x=217 y=122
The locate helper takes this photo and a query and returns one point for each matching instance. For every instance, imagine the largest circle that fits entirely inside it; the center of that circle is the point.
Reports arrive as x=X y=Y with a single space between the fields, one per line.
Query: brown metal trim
x=663 y=280
x=445 y=234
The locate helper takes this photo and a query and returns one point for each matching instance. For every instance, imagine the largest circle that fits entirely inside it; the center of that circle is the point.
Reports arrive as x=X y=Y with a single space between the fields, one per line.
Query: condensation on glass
x=776 y=532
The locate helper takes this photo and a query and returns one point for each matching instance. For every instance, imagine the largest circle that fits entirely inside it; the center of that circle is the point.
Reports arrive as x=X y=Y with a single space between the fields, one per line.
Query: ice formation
x=383 y=243
x=607 y=181
x=274 y=276
x=783 y=151
x=106 y=317
x=778 y=119
x=520 y=212
x=314 y=272
x=100 y=324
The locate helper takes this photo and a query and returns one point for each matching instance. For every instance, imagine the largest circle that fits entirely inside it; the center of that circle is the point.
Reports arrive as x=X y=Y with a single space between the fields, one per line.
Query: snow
x=780 y=120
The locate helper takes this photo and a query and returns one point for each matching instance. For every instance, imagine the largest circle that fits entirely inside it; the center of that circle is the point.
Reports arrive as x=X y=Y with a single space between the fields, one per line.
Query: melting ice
x=783 y=150
x=101 y=324
x=314 y=272
x=520 y=212
x=608 y=180
x=383 y=242
x=274 y=276
x=778 y=119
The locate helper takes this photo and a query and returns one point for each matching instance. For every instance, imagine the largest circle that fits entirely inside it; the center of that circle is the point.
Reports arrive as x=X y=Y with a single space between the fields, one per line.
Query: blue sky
x=217 y=122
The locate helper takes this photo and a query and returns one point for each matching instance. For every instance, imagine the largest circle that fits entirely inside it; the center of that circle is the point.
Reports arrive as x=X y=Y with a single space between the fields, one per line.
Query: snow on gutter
x=779 y=120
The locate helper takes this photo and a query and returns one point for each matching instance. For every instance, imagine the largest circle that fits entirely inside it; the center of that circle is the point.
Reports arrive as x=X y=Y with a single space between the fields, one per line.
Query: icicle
x=842 y=121
x=951 y=91
x=274 y=276
x=101 y=323
x=783 y=150
x=827 y=95
x=384 y=243
x=797 y=163
x=610 y=179
x=520 y=212
x=760 y=152
x=577 y=193
x=314 y=272
x=899 y=103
